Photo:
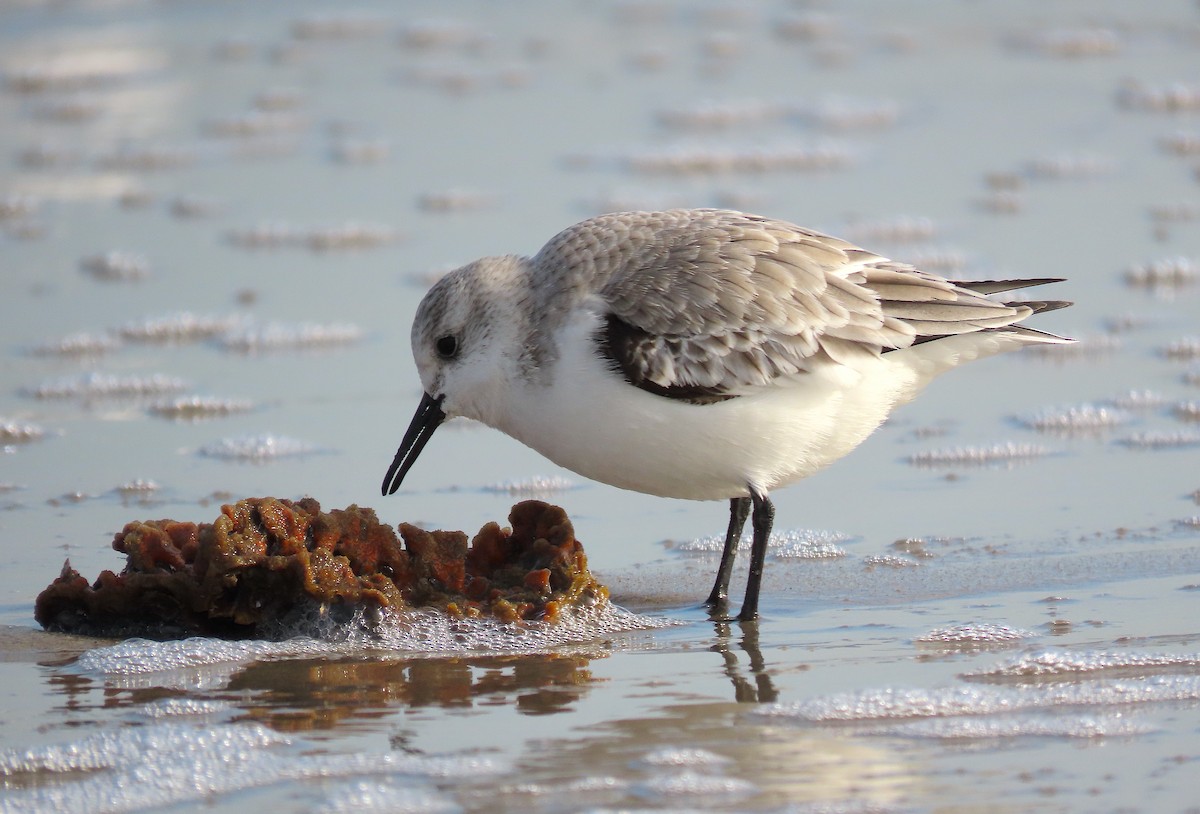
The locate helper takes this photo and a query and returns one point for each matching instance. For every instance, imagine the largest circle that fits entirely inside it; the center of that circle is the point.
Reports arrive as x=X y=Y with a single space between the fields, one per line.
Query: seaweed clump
x=265 y=560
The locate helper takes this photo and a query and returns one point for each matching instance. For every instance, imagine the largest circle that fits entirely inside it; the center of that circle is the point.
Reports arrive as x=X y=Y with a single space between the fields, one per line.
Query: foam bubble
x=809 y=544
x=1007 y=452
x=1081 y=419
x=799 y=544
x=183 y=708
x=343 y=236
x=899 y=704
x=279 y=337
x=256 y=448
x=13 y=432
x=78 y=344
x=1046 y=726
x=434 y=633
x=695 y=785
x=713 y=115
x=683 y=757
x=382 y=796
x=976 y=633
x=695 y=160
x=185 y=664
x=1181 y=142
x=116 y=266
x=104 y=385
x=1187 y=410
x=1057 y=663
x=137 y=486
x=1169 y=272
x=1158 y=439
x=456 y=200
x=1170 y=97
x=182 y=326
x=1072 y=43
x=1138 y=400
x=888 y=561
x=199 y=408
x=113 y=748
x=205 y=663
x=1184 y=349
x=163 y=764
x=534 y=486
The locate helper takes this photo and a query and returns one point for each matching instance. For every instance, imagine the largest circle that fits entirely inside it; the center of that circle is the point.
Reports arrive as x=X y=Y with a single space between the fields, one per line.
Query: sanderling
x=696 y=353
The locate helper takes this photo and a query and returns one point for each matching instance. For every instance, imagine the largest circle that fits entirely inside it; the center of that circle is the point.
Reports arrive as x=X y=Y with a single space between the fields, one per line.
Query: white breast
x=589 y=420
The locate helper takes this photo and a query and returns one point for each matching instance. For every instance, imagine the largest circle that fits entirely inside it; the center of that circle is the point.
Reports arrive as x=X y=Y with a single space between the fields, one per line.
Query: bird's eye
x=447 y=347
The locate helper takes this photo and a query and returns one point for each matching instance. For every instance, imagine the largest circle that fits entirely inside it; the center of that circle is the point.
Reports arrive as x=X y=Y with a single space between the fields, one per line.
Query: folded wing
x=713 y=303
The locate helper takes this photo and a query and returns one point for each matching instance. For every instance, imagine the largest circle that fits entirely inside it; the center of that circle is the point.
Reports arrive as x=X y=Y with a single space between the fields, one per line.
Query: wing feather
x=708 y=304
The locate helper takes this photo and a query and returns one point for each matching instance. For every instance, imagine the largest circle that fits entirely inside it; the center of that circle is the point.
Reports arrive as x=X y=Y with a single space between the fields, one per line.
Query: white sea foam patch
x=535 y=486
x=800 y=544
x=429 y=632
x=96 y=385
x=1079 y=419
x=194 y=664
x=164 y=764
x=199 y=408
x=1050 y=664
x=1161 y=439
x=1047 y=726
x=382 y=796
x=979 y=634
x=1080 y=708
x=684 y=758
x=890 y=703
x=695 y=786
x=279 y=337
x=175 y=708
x=200 y=663
x=688 y=773
x=1005 y=453
x=257 y=448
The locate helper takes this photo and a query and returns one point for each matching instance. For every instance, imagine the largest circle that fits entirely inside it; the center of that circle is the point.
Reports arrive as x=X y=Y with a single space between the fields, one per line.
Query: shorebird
x=703 y=354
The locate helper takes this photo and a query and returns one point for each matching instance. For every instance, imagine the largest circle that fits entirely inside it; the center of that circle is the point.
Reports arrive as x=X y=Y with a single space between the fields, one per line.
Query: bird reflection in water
x=754 y=686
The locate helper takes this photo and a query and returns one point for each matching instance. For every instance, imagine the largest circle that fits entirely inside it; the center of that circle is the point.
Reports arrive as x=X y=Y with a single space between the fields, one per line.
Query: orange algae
x=264 y=559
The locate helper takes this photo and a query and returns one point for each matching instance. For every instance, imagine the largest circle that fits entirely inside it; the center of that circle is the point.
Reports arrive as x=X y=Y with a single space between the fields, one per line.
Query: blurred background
x=217 y=218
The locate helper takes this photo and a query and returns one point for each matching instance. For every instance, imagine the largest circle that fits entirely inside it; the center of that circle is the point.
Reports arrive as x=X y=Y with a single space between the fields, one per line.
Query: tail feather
x=930 y=333
x=1041 y=306
x=997 y=286
x=1036 y=336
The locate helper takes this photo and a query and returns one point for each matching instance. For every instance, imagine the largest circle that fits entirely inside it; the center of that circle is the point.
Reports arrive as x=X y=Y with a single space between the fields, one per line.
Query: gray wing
x=709 y=304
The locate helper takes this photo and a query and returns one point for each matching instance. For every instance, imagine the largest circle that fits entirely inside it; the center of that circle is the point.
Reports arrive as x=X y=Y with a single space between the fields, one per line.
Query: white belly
x=594 y=423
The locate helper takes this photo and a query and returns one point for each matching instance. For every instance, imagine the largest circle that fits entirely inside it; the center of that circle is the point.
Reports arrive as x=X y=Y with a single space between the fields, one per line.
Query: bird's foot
x=717 y=600
x=748 y=615
x=717 y=606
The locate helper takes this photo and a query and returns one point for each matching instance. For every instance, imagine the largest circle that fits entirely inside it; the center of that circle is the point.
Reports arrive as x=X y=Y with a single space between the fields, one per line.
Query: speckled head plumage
x=469 y=315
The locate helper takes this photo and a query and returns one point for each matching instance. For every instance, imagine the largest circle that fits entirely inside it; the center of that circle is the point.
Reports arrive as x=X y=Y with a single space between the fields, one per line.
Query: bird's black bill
x=420 y=430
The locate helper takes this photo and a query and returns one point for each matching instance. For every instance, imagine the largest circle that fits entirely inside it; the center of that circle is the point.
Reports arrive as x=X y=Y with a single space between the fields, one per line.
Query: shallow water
x=244 y=203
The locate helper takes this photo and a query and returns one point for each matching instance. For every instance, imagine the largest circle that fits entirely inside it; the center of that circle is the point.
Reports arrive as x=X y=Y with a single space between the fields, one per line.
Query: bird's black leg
x=762 y=519
x=739 y=510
